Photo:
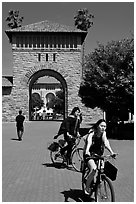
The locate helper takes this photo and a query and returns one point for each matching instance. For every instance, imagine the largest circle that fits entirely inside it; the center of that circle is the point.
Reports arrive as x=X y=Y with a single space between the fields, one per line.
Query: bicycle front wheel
x=77 y=157
x=104 y=191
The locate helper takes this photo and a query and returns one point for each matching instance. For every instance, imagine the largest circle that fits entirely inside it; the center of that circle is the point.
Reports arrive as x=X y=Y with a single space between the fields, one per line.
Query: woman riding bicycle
x=70 y=131
x=94 y=144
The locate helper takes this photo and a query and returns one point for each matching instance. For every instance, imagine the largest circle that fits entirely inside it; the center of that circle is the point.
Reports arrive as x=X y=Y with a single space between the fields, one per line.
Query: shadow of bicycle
x=15 y=139
x=59 y=166
x=76 y=195
x=55 y=165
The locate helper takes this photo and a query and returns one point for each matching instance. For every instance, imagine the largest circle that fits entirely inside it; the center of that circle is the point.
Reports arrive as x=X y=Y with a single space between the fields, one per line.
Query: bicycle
x=101 y=186
x=76 y=155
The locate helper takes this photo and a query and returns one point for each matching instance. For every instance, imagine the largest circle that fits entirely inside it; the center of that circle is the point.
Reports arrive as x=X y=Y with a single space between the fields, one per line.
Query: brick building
x=45 y=49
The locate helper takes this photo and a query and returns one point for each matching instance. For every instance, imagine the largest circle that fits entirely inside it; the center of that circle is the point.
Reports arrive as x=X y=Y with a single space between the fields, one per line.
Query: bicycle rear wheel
x=77 y=157
x=104 y=191
x=56 y=157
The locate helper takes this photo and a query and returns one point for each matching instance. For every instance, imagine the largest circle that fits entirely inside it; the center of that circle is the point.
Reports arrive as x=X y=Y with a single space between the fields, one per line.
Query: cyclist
x=94 y=144
x=70 y=130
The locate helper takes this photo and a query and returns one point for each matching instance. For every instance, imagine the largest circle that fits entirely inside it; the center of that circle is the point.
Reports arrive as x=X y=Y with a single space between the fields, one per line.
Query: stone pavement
x=29 y=176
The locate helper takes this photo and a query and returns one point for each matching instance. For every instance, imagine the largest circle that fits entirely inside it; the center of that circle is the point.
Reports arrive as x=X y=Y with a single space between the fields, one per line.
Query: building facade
x=45 y=49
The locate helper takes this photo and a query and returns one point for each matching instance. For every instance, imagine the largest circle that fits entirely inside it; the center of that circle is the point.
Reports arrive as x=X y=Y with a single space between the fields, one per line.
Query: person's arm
x=68 y=127
x=89 y=143
x=107 y=144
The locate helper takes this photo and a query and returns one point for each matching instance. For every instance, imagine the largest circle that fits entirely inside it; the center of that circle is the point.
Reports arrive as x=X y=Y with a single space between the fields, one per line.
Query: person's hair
x=74 y=110
x=95 y=126
x=20 y=111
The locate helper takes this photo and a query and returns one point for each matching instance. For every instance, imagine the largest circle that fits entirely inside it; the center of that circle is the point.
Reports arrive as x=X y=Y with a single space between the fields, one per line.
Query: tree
x=59 y=102
x=109 y=77
x=13 y=19
x=37 y=101
x=83 y=21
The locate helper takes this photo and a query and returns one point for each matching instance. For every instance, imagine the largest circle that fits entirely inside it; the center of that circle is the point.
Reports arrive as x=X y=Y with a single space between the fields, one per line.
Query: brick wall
x=68 y=64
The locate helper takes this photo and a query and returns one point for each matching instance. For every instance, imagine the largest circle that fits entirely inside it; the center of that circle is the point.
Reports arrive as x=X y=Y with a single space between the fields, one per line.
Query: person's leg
x=92 y=167
x=20 y=133
x=63 y=149
x=69 y=151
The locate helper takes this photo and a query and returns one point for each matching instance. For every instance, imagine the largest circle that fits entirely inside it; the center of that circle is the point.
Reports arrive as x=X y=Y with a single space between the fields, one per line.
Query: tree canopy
x=59 y=102
x=13 y=19
x=109 y=77
x=83 y=20
x=36 y=101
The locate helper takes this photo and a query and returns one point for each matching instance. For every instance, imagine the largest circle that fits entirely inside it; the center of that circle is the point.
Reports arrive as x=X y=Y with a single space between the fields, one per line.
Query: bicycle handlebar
x=97 y=157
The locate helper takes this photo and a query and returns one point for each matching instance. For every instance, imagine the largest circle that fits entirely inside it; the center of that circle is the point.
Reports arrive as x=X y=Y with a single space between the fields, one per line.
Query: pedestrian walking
x=19 y=124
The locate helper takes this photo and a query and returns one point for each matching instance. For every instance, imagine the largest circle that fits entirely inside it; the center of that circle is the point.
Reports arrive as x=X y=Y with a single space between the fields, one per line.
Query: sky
x=112 y=21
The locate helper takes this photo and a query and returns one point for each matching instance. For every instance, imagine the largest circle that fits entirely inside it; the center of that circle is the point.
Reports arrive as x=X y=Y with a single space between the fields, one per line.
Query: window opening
x=26 y=42
x=34 y=41
x=46 y=41
x=42 y=41
x=38 y=42
x=30 y=41
x=63 y=42
x=46 y=57
x=58 y=41
x=75 y=42
x=67 y=41
x=39 y=57
x=54 y=57
x=71 y=42
x=21 y=41
x=54 y=41
x=50 y=41
x=17 y=42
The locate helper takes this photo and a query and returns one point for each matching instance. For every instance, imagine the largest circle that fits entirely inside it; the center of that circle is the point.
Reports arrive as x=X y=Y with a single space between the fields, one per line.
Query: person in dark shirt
x=70 y=131
x=19 y=124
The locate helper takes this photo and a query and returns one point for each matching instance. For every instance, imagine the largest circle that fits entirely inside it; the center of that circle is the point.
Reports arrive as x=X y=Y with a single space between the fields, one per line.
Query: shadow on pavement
x=15 y=139
x=59 y=166
x=76 y=195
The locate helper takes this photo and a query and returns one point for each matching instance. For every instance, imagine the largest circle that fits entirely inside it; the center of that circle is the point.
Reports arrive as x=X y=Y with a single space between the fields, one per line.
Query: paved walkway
x=29 y=176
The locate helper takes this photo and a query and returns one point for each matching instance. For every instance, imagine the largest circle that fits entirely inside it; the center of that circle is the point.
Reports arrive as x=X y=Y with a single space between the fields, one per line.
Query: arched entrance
x=56 y=75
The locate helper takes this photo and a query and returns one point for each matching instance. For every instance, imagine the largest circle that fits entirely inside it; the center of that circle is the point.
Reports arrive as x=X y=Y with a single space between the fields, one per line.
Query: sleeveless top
x=97 y=145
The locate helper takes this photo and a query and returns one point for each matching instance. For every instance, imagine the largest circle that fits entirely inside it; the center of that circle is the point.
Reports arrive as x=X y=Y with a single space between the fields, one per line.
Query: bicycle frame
x=100 y=169
x=100 y=172
x=76 y=154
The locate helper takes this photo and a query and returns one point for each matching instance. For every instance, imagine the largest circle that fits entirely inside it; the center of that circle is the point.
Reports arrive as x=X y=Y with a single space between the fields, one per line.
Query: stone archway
x=52 y=73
